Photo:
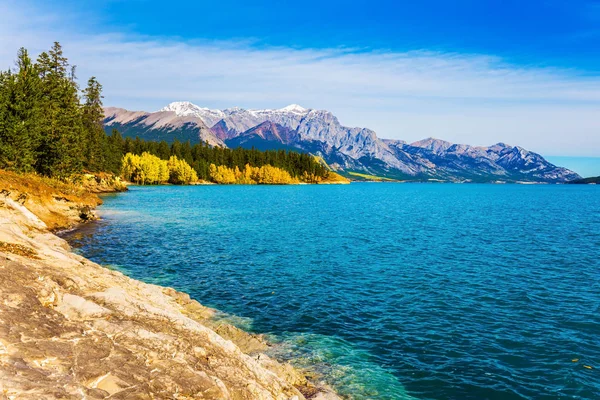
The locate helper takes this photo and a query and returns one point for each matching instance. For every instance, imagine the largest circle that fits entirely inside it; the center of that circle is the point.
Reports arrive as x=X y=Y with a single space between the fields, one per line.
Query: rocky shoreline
x=72 y=329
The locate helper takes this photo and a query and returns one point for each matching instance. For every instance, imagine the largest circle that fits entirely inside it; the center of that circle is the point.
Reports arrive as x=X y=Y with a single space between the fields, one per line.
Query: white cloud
x=475 y=99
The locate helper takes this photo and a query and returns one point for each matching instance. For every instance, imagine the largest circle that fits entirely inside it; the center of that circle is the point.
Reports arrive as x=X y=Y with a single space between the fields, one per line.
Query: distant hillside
x=592 y=180
x=351 y=151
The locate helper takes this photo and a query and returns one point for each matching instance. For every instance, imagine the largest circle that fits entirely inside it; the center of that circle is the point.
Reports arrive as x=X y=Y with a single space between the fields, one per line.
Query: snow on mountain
x=186 y=108
x=294 y=108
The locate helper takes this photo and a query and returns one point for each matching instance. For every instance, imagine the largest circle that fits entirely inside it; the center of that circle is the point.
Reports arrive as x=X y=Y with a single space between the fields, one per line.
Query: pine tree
x=6 y=147
x=62 y=129
x=176 y=149
x=92 y=118
x=186 y=152
x=128 y=146
x=20 y=115
x=163 y=151
x=114 y=148
x=138 y=146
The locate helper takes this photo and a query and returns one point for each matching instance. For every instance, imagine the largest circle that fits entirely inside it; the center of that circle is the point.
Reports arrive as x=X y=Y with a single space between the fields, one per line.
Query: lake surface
x=391 y=291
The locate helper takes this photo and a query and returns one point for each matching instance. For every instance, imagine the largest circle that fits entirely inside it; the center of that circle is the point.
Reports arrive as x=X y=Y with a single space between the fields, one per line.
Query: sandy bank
x=72 y=329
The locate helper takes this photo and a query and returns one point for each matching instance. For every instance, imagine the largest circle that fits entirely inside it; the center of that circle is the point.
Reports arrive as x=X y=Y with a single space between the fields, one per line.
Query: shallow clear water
x=391 y=291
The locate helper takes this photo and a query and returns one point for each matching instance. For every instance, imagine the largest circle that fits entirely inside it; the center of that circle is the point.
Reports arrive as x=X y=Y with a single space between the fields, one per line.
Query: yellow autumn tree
x=310 y=178
x=221 y=174
x=163 y=172
x=146 y=169
x=129 y=167
x=150 y=166
x=180 y=172
x=245 y=177
x=269 y=175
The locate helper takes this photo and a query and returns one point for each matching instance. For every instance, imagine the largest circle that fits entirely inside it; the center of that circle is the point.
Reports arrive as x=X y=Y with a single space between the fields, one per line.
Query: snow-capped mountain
x=344 y=148
x=160 y=125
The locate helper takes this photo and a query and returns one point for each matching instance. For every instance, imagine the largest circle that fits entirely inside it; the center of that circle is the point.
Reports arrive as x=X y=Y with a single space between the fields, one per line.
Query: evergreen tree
x=128 y=146
x=186 y=152
x=6 y=147
x=163 y=151
x=176 y=149
x=114 y=148
x=20 y=115
x=61 y=126
x=92 y=119
x=138 y=146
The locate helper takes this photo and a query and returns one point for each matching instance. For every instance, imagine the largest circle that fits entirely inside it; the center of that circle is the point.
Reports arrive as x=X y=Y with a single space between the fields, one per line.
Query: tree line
x=49 y=126
x=301 y=166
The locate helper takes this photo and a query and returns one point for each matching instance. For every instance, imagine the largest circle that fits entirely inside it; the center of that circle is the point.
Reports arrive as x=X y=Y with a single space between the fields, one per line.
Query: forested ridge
x=51 y=127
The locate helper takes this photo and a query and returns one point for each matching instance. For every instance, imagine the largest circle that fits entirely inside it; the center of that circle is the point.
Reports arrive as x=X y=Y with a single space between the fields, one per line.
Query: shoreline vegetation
x=72 y=327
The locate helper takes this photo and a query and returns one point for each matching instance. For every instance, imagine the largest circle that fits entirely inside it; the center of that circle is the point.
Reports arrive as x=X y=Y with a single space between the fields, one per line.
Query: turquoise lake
x=390 y=291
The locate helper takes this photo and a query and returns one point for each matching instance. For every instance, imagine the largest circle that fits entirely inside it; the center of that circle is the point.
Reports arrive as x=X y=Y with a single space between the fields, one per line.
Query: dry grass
x=46 y=189
x=59 y=204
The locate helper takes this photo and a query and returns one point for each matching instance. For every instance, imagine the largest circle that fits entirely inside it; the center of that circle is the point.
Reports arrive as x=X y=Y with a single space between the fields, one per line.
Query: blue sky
x=548 y=32
x=584 y=166
x=522 y=72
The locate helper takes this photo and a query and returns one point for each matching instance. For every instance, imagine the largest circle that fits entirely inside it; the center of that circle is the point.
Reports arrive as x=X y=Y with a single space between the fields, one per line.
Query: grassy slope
x=333 y=177
x=368 y=177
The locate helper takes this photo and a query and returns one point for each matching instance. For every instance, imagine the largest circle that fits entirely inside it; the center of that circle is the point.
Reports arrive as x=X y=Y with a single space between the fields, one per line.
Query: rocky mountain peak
x=433 y=144
x=189 y=109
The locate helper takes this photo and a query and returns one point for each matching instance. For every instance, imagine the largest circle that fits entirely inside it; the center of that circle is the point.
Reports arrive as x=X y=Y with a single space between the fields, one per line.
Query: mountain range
x=355 y=152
